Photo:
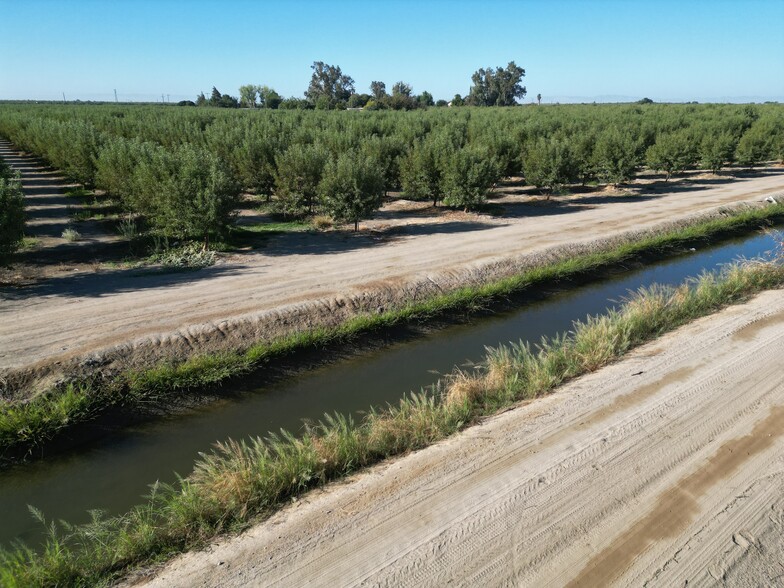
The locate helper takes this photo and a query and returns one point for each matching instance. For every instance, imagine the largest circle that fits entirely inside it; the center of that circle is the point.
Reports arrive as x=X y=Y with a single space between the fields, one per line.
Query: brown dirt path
x=121 y=318
x=664 y=469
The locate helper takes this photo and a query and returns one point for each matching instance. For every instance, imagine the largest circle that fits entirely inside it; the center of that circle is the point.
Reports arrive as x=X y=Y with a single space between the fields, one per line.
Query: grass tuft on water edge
x=240 y=481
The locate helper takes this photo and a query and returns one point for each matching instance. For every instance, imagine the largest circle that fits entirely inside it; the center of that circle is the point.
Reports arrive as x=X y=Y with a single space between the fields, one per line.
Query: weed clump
x=71 y=235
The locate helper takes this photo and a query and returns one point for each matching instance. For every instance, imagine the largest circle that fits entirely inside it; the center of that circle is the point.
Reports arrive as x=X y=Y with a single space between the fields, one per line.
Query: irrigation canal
x=113 y=474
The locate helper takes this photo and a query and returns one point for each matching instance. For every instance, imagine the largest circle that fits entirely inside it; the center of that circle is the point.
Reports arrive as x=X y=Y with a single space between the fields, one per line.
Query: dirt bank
x=663 y=469
x=117 y=319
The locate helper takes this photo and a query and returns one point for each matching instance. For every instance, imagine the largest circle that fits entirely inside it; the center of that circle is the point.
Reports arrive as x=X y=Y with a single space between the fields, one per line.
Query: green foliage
x=497 y=87
x=357 y=100
x=12 y=213
x=386 y=153
x=422 y=170
x=468 y=175
x=615 y=156
x=351 y=189
x=118 y=168
x=549 y=163
x=717 y=150
x=329 y=86
x=672 y=153
x=269 y=98
x=248 y=94
x=196 y=199
x=378 y=89
x=222 y=100
x=130 y=150
x=761 y=142
x=299 y=172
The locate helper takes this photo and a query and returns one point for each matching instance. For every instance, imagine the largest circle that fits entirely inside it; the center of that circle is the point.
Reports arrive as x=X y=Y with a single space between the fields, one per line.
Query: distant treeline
x=183 y=169
x=331 y=89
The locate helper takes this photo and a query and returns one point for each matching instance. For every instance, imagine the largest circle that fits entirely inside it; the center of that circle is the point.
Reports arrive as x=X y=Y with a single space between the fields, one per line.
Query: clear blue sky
x=705 y=50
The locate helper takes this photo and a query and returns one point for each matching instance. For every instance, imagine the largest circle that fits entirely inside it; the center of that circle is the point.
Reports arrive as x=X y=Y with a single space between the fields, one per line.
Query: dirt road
x=121 y=317
x=665 y=469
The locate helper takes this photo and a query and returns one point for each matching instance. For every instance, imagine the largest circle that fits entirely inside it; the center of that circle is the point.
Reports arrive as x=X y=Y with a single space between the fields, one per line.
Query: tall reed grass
x=240 y=481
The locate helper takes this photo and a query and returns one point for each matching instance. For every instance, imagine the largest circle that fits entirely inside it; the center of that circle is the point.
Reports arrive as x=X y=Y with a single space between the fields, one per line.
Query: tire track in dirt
x=671 y=475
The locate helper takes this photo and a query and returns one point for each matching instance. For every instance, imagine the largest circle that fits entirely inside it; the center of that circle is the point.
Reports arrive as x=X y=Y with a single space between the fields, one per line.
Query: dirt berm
x=113 y=320
x=665 y=469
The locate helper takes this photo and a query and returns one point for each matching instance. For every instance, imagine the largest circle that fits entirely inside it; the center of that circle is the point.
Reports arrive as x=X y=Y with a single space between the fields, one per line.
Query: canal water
x=114 y=473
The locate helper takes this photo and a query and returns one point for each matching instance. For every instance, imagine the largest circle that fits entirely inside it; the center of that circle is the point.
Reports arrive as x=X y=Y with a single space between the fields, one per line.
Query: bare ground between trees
x=663 y=469
x=112 y=320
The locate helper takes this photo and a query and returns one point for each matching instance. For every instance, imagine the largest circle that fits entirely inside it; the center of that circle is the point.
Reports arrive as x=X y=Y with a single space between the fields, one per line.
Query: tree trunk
x=356 y=226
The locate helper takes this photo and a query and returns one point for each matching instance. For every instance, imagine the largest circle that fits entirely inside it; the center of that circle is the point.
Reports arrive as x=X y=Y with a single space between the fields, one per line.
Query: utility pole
x=162 y=100
x=168 y=99
x=115 y=95
x=63 y=97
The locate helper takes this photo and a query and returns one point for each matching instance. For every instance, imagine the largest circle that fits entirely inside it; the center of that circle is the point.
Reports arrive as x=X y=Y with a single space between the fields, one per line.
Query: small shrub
x=190 y=255
x=127 y=228
x=71 y=235
x=322 y=223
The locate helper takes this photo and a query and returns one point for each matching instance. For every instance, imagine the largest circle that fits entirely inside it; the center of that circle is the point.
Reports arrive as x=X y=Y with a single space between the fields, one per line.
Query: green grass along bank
x=240 y=482
x=29 y=424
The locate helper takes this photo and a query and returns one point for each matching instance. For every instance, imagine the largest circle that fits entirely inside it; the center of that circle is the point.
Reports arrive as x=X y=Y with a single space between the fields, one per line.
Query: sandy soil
x=113 y=319
x=664 y=469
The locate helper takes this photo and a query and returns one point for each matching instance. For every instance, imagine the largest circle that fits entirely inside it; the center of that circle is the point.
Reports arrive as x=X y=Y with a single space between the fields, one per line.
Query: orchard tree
x=352 y=188
x=299 y=171
x=421 y=170
x=83 y=145
x=549 y=164
x=253 y=159
x=717 y=150
x=615 y=155
x=330 y=82
x=12 y=212
x=386 y=153
x=248 y=95
x=582 y=147
x=757 y=144
x=197 y=199
x=468 y=175
x=497 y=87
x=672 y=153
x=119 y=168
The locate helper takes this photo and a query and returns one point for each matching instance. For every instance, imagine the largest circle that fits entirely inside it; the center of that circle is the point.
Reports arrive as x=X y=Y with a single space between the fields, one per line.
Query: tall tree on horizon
x=330 y=82
x=378 y=89
x=497 y=87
